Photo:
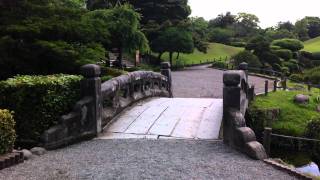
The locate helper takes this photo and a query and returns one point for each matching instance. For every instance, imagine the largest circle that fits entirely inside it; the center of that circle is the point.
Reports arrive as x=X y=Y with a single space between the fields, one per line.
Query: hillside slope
x=215 y=51
x=312 y=45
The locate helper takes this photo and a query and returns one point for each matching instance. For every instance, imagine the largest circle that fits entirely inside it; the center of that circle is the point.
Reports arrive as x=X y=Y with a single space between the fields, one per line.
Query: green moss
x=293 y=117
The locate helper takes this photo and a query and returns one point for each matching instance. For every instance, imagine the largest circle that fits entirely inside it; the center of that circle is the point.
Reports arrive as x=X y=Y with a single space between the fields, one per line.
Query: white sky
x=270 y=12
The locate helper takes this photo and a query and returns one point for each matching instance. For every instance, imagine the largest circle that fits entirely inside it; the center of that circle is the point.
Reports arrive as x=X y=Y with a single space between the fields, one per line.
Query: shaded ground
x=143 y=159
x=200 y=81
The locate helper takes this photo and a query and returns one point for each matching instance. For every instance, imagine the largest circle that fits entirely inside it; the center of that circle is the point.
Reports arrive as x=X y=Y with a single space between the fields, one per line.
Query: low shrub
x=106 y=78
x=270 y=58
x=111 y=72
x=248 y=57
x=7 y=131
x=283 y=53
x=297 y=77
x=313 y=129
x=38 y=101
x=220 y=64
x=292 y=65
x=291 y=44
x=313 y=75
x=238 y=44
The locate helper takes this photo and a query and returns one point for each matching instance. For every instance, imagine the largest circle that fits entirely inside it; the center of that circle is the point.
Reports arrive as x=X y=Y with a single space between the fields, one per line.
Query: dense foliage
x=7 y=131
x=38 y=101
x=248 y=57
x=45 y=37
x=313 y=75
x=291 y=44
x=51 y=36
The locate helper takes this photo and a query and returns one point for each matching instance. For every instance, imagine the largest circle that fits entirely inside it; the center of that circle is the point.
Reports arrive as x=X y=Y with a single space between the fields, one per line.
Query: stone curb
x=287 y=169
x=11 y=159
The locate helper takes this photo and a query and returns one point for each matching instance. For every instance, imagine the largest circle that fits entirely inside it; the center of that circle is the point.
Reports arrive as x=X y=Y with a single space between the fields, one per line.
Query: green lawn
x=312 y=45
x=215 y=51
x=293 y=117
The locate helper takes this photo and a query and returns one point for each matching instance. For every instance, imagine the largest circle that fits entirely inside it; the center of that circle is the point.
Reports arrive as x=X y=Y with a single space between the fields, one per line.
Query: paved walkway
x=203 y=82
x=163 y=118
x=143 y=159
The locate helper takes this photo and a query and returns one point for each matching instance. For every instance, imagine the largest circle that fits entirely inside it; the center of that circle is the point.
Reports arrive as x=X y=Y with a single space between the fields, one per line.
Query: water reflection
x=301 y=160
x=311 y=168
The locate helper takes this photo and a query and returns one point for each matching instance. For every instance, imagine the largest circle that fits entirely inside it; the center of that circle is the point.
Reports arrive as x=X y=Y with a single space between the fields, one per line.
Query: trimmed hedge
x=220 y=64
x=38 y=102
x=284 y=53
x=248 y=57
x=291 y=44
x=7 y=131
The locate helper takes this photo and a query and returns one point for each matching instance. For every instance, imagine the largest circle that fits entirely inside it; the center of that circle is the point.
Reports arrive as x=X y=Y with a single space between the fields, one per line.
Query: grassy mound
x=215 y=51
x=293 y=117
x=312 y=45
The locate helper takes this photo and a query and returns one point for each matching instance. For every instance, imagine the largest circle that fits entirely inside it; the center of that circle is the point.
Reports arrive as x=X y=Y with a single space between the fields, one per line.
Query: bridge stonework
x=236 y=96
x=101 y=102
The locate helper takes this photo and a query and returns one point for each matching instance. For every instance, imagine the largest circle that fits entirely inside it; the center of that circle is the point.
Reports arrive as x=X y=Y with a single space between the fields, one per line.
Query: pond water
x=302 y=161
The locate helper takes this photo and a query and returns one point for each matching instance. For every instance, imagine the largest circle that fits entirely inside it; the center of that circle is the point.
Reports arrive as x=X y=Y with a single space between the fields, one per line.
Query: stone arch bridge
x=141 y=105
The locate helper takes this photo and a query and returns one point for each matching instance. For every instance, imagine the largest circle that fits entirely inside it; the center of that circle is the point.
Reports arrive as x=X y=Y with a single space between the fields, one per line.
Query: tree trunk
x=178 y=55
x=170 y=55
x=120 y=57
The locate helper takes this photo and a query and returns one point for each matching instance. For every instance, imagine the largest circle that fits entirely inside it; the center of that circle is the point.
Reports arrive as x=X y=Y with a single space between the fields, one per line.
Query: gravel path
x=143 y=159
x=200 y=81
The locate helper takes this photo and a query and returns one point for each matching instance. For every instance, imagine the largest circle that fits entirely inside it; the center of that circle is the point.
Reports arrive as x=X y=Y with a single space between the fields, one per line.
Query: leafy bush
x=111 y=72
x=313 y=75
x=220 y=35
x=270 y=58
x=7 y=131
x=38 y=101
x=248 y=57
x=220 y=64
x=297 y=77
x=275 y=47
x=292 y=65
x=291 y=44
x=284 y=53
x=238 y=44
x=313 y=129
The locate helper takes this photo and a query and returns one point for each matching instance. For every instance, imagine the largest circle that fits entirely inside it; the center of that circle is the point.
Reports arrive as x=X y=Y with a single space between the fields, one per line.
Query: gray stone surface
x=143 y=159
x=26 y=154
x=301 y=99
x=38 y=151
x=200 y=81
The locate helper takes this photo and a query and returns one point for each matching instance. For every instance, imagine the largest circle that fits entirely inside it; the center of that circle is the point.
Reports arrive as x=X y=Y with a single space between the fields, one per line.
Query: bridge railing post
x=91 y=87
x=235 y=102
x=166 y=71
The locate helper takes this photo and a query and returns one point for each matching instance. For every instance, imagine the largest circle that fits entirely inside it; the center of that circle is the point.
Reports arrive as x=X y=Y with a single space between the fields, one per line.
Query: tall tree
x=172 y=40
x=122 y=22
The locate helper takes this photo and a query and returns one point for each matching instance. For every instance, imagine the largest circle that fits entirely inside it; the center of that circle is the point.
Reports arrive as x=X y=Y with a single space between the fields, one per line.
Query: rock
x=301 y=99
x=26 y=154
x=255 y=150
x=38 y=151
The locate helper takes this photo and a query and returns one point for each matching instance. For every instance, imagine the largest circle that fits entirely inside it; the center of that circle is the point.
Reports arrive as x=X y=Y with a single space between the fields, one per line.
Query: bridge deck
x=157 y=118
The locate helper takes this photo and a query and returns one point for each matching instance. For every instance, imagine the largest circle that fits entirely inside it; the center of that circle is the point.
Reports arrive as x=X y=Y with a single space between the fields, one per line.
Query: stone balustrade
x=102 y=102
